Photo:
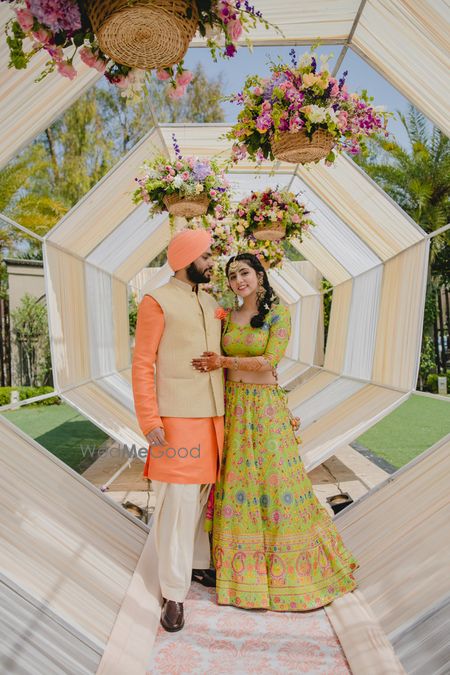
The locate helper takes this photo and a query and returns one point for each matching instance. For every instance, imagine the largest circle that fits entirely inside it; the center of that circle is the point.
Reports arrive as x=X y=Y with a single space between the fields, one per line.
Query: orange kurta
x=194 y=445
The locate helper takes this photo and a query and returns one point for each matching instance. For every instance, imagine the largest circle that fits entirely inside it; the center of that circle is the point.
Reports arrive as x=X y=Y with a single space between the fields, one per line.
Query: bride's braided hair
x=268 y=299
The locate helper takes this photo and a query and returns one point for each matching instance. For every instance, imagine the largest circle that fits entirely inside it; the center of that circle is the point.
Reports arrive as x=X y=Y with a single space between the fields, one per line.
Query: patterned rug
x=222 y=640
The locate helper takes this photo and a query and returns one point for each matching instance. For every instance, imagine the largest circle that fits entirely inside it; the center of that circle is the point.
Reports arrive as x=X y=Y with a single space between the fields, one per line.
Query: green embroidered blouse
x=270 y=341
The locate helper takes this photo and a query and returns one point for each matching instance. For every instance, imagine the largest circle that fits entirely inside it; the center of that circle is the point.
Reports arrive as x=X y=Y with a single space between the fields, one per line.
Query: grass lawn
x=409 y=430
x=60 y=429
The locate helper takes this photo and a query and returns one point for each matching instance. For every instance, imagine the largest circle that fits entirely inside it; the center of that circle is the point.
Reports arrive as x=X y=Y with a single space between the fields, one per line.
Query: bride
x=274 y=544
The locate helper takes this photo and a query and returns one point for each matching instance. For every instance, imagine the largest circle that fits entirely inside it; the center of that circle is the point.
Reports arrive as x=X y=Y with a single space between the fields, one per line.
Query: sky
x=360 y=76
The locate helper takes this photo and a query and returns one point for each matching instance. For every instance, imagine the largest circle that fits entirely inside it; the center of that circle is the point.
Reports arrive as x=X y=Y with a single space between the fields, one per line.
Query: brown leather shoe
x=172 y=615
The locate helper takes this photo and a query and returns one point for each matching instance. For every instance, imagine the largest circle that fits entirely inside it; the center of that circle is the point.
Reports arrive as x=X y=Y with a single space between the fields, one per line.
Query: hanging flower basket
x=147 y=34
x=187 y=207
x=126 y=39
x=300 y=113
x=269 y=231
x=298 y=148
x=187 y=186
x=271 y=215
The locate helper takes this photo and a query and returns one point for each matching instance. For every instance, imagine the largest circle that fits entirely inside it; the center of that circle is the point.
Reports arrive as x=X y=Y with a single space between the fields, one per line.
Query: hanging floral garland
x=301 y=114
x=125 y=39
x=185 y=186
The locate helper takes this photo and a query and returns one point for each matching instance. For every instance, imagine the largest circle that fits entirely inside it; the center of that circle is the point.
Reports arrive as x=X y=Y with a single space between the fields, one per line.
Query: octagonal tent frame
x=373 y=253
x=385 y=258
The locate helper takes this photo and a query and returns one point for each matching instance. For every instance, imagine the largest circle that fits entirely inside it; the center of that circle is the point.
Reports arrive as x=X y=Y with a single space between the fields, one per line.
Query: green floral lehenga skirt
x=274 y=544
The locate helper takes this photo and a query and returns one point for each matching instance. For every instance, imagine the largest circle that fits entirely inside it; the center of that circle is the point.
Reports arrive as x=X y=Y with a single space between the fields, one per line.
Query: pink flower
x=213 y=192
x=66 y=69
x=258 y=91
x=179 y=165
x=162 y=74
x=185 y=175
x=184 y=78
x=91 y=59
x=121 y=81
x=334 y=90
x=176 y=92
x=168 y=179
x=25 y=19
x=42 y=36
x=295 y=218
x=342 y=119
x=234 y=29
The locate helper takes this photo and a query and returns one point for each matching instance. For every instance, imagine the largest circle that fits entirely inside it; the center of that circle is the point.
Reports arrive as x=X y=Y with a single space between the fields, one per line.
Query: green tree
x=23 y=199
x=30 y=329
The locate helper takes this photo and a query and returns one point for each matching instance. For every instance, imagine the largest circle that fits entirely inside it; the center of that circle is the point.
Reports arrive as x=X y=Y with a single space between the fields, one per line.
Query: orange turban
x=186 y=246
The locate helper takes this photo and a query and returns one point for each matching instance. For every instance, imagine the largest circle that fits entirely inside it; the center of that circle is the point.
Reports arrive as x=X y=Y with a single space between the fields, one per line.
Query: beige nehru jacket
x=190 y=328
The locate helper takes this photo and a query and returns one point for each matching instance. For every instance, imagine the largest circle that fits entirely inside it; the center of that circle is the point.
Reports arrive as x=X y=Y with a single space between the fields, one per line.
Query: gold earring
x=260 y=292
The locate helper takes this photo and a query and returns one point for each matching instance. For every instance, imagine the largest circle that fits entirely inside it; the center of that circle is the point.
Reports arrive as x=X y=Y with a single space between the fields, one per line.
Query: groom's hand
x=156 y=437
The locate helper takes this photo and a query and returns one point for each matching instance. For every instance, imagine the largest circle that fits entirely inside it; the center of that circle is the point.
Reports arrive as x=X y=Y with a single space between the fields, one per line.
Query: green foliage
x=432 y=382
x=30 y=329
x=132 y=312
x=327 y=300
x=417 y=178
x=427 y=362
x=29 y=392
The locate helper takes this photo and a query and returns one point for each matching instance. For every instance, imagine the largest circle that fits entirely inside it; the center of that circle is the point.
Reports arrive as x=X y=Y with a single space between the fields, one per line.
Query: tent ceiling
x=406 y=41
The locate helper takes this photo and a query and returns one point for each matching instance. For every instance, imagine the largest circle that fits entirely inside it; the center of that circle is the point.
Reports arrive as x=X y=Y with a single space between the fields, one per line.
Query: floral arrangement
x=271 y=211
x=270 y=253
x=186 y=177
x=302 y=96
x=62 y=28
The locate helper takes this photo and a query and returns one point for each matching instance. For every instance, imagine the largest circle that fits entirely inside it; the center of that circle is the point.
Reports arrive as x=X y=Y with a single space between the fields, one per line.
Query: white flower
x=316 y=113
x=305 y=60
x=324 y=58
x=332 y=114
x=199 y=188
x=178 y=181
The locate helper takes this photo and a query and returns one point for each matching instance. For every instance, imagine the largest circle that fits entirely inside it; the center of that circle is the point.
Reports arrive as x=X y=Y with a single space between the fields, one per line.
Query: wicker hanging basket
x=269 y=230
x=297 y=148
x=146 y=34
x=187 y=207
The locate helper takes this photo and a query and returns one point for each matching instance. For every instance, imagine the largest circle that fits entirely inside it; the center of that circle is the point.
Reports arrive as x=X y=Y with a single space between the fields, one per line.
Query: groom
x=181 y=415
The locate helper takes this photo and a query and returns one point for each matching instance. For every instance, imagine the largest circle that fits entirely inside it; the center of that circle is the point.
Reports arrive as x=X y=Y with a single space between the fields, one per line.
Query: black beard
x=195 y=276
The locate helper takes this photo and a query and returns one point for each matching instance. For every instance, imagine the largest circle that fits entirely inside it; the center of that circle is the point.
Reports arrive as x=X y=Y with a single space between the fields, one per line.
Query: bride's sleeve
x=279 y=334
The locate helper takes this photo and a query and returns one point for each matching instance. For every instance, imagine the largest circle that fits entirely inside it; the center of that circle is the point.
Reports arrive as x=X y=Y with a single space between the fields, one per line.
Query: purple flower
x=264 y=122
x=342 y=80
x=230 y=50
x=268 y=91
x=57 y=14
x=293 y=56
x=201 y=170
x=176 y=147
x=313 y=64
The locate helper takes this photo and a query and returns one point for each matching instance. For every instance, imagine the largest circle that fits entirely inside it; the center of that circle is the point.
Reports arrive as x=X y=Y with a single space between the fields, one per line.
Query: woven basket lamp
x=270 y=231
x=297 y=148
x=186 y=207
x=146 y=34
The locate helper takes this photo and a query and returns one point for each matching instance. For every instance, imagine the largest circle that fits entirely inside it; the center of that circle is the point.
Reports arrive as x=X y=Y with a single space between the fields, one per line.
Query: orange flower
x=221 y=313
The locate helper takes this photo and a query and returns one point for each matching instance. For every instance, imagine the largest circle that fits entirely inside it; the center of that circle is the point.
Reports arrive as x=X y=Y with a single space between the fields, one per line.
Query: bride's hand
x=207 y=361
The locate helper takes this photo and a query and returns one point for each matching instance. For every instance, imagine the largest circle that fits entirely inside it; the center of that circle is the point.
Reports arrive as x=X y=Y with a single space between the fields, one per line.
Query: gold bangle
x=236 y=364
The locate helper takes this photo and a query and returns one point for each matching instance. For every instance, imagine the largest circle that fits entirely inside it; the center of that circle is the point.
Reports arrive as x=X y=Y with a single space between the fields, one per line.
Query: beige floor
x=347 y=470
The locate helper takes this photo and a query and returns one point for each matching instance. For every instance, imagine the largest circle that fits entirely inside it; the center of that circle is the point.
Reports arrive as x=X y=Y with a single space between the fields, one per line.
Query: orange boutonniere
x=221 y=313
